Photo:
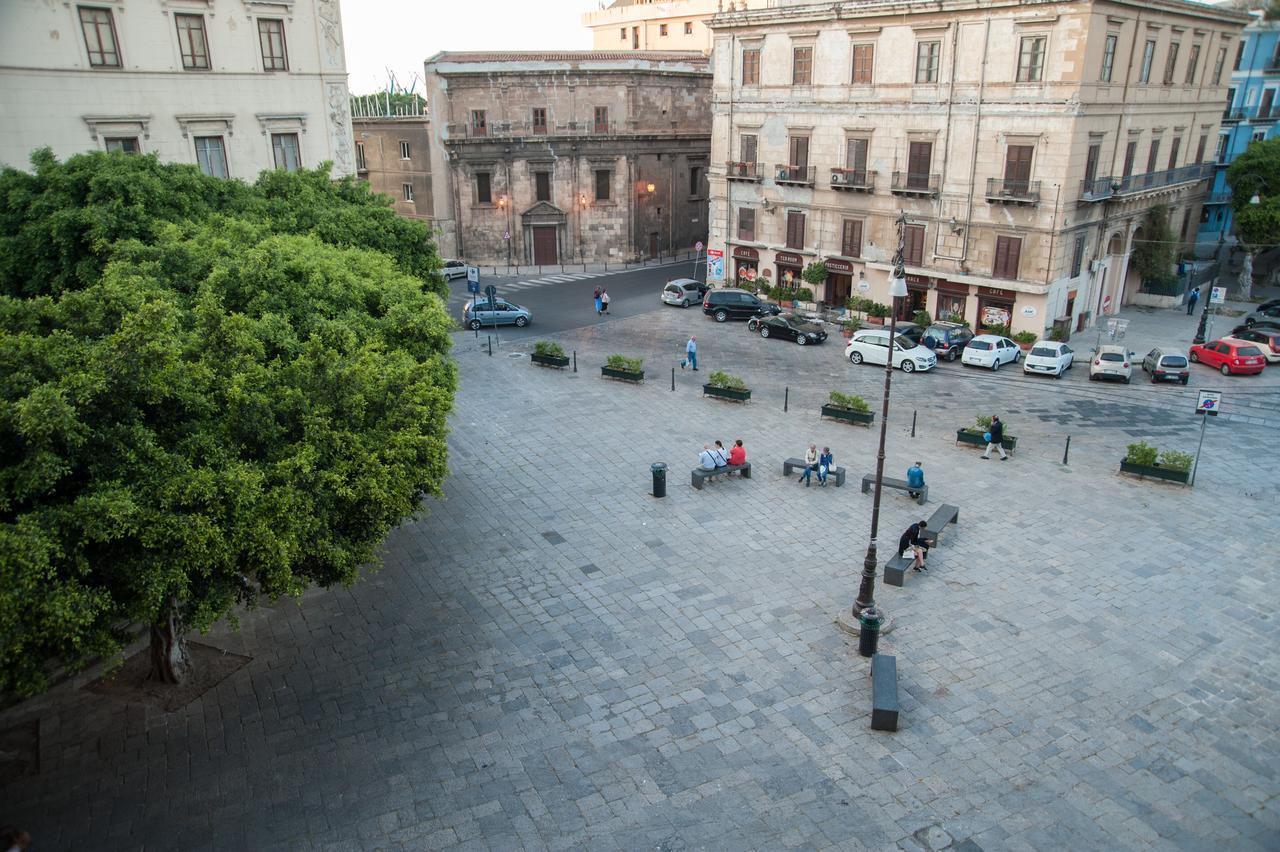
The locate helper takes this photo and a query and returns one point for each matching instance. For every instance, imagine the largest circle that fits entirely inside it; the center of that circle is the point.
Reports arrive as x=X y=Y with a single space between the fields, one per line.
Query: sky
x=401 y=34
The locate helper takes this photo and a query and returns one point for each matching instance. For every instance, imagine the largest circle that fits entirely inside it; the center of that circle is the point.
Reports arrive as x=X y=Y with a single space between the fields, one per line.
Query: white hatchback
x=1111 y=362
x=871 y=345
x=1049 y=358
x=990 y=350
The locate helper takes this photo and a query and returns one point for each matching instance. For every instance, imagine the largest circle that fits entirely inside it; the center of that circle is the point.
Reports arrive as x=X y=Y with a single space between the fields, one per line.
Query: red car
x=1230 y=356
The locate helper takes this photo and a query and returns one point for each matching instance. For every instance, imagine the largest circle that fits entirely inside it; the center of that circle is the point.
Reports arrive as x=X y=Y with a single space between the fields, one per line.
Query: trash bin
x=659 y=471
x=869 y=631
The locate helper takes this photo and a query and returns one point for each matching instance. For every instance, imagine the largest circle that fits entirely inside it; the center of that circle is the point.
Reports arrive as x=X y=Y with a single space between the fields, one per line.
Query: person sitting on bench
x=914 y=538
x=737 y=454
x=826 y=461
x=915 y=479
x=707 y=459
x=810 y=464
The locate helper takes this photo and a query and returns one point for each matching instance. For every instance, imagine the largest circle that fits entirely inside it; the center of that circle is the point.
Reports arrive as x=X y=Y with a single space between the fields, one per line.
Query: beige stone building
x=1024 y=140
x=646 y=25
x=393 y=154
x=569 y=157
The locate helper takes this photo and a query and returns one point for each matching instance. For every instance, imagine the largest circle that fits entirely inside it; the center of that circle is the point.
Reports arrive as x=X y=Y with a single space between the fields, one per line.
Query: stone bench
x=896 y=569
x=946 y=514
x=700 y=476
x=900 y=484
x=884 y=692
x=798 y=464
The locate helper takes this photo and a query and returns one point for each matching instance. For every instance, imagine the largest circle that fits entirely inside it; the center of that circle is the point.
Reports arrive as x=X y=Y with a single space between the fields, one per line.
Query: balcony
x=857 y=180
x=1223 y=197
x=516 y=129
x=1231 y=115
x=1013 y=191
x=912 y=183
x=794 y=175
x=1111 y=187
x=739 y=170
x=1268 y=115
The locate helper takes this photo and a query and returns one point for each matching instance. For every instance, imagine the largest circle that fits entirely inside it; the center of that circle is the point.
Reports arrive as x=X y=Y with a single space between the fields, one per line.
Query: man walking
x=915 y=479
x=1192 y=298
x=690 y=354
x=996 y=439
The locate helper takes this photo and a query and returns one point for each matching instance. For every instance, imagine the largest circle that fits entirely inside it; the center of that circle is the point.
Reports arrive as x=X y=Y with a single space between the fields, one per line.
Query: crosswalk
x=563 y=278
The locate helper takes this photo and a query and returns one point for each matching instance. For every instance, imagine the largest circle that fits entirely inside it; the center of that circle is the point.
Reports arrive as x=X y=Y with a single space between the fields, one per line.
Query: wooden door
x=544 y=245
x=653 y=246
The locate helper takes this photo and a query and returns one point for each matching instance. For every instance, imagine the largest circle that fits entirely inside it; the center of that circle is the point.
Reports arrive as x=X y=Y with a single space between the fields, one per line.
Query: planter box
x=550 y=360
x=875 y=320
x=1156 y=472
x=964 y=436
x=848 y=415
x=727 y=393
x=624 y=375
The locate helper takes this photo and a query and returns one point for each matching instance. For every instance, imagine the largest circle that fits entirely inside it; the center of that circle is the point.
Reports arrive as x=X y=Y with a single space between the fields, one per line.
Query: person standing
x=690 y=354
x=810 y=464
x=914 y=539
x=1192 y=298
x=996 y=431
x=915 y=479
x=825 y=463
x=604 y=300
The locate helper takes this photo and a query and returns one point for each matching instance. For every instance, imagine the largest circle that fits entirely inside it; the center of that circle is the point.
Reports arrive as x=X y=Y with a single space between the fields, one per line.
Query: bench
x=700 y=476
x=798 y=464
x=895 y=569
x=900 y=484
x=884 y=692
x=946 y=514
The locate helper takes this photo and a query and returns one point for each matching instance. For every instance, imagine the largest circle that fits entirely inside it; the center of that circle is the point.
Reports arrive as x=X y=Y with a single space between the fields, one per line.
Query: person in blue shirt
x=825 y=462
x=706 y=458
x=690 y=354
x=915 y=479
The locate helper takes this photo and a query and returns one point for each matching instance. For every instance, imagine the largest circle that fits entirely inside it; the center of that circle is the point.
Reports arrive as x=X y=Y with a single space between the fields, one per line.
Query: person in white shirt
x=810 y=464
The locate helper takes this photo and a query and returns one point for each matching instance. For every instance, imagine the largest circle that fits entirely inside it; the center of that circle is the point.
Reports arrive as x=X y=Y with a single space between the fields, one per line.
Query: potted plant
x=725 y=386
x=877 y=312
x=848 y=327
x=814 y=274
x=1024 y=339
x=1142 y=460
x=850 y=409
x=547 y=353
x=783 y=295
x=998 y=329
x=922 y=319
x=976 y=435
x=804 y=298
x=956 y=318
x=624 y=368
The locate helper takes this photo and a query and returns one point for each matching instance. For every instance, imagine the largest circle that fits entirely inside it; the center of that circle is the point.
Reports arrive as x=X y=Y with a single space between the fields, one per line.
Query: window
x=271 y=39
x=602 y=119
x=799 y=148
x=1204 y=141
x=1130 y=154
x=695 y=181
x=928 y=57
x=1171 y=63
x=484 y=188
x=211 y=156
x=864 y=56
x=539 y=120
x=801 y=66
x=751 y=67
x=1186 y=224
x=284 y=146
x=407 y=190
x=1108 y=58
x=746 y=223
x=404 y=150
x=1031 y=59
x=123 y=144
x=1265 y=107
x=747 y=147
x=604 y=178
x=913 y=245
x=855 y=154
x=795 y=230
x=919 y=161
x=192 y=42
x=542 y=186
x=1239 y=56
x=1017 y=168
x=361 y=165
x=1091 y=163
x=1148 y=54
x=99 y=30
x=1258 y=136
x=1174 y=150
x=662 y=30
x=1008 y=252
x=851 y=238
x=1231 y=98
x=1217 y=66
x=635 y=38
x=1193 y=61
x=1221 y=154
x=622 y=33
x=1077 y=257
x=688 y=27
x=479 y=123
x=1152 y=154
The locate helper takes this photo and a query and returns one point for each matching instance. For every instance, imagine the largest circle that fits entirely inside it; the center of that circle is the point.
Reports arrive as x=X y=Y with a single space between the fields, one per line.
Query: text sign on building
x=1209 y=402
x=1217 y=295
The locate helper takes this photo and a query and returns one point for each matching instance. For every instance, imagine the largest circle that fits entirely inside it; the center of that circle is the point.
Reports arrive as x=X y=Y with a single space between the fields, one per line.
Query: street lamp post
x=866 y=601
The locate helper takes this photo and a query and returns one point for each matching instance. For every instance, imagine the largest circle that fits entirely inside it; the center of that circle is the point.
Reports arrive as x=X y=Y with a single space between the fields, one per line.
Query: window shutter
x=913 y=245
x=795 y=230
x=800 y=152
x=1008 y=250
x=851 y=240
x=1017 y=166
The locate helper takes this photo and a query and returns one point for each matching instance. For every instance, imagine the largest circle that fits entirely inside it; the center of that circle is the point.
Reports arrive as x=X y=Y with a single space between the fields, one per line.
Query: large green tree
x=1256 y=172
x=208 y=392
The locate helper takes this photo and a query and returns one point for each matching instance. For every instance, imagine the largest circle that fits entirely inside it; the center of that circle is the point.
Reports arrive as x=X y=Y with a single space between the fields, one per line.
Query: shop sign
x=843 y=267
x=744 y=253
x=1028 y=311
x=787 y=259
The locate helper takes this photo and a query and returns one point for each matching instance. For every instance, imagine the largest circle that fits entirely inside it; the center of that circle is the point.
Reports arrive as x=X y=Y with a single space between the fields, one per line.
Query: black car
x=911 y=332
x=791 y=327
x=947 y=339
x=728 y=303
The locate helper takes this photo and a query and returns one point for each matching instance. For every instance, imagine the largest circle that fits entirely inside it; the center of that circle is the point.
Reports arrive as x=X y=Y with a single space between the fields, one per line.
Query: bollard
x=869 y=631
x=673 y=379
x=489 y=343
x=659 y=471
x=786 y=396
x=913 y=422
x=1066 y=450
x=575 y=360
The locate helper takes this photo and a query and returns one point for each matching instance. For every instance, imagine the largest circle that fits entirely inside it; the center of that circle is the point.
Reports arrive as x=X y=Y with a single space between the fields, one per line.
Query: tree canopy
x=1154 y=251
x=1256 y=172
x=209 y=391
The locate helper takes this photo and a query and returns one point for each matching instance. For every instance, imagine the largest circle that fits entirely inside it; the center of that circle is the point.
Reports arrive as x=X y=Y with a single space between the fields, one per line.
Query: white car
x=1049 y=358
x=872 y=346
x=683 y=292
x=454 y=269
x=990 y=350
x=1111 y=362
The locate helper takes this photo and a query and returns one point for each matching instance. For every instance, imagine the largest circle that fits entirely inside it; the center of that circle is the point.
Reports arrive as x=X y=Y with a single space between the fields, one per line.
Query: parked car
x=726 y=303
x=911 y=332
x=872 y=346
x=768 y=310
x=1230 y=357
x=683 y=292
x=990 y=350
x=454 y=269
x=1166 y=365
x=791 y=327
x=497 y=312
x=1266 y=339
x=947 y=339
x=1111 y=362
x=1049 y=358
x=1268 y=316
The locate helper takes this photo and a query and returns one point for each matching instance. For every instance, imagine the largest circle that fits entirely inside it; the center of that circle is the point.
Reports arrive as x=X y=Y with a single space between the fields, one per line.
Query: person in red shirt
x=737 y=453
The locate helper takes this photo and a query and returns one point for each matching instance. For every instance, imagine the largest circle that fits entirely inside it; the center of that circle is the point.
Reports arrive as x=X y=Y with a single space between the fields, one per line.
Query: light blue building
x=1252 y=114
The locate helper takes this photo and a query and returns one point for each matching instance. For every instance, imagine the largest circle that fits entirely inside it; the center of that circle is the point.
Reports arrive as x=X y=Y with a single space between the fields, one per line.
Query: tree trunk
x=169 y=660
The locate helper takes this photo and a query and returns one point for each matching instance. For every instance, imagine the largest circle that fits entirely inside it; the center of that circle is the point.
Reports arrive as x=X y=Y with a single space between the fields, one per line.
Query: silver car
x=1267 y=317
x=497 y=312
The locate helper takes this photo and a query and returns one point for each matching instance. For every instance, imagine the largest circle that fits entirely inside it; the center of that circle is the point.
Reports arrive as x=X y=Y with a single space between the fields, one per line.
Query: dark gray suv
x=731 y=303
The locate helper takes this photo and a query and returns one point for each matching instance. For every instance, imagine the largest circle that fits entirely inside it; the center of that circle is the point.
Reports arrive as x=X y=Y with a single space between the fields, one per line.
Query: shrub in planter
x=922 y=319
x=849 y=408
x=876 y=309
x=848 y=327
x=804 y=294
x=622 y=367
x=726 y=386
x=1143 y=459
x=547 y=353
x=1025 y=338
x=975 y=435
x=1142 y=453
x=998 y=328
x=956 y=318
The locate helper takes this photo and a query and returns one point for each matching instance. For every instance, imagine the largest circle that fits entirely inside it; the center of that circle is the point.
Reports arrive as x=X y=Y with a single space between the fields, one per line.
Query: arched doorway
x=1132 y=280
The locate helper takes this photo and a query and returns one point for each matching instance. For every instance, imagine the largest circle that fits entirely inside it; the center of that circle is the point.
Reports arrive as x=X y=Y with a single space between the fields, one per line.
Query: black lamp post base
x=849 y=623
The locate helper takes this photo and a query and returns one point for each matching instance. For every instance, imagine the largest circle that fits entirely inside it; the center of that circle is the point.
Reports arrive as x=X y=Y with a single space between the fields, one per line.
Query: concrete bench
x=700 y=476
x=946 y=514
x=900 y=484
x=798 y=464
x=884 y=692
x=896 y=569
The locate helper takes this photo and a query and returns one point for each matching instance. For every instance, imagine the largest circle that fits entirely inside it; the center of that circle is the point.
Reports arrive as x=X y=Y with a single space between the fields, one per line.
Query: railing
x=1272 y=66
x=859 y=180
x=1111 y=187
x=741 y=170
x=913 y=183
x=528 y=128
x=1237 y=113
x=794 y=174
x=1017 y=191
x=1223 y=197
x=1270 y=114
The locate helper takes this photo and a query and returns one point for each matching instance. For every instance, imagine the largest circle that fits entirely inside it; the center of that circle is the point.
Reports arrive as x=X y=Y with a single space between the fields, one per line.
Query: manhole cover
x=515 y=354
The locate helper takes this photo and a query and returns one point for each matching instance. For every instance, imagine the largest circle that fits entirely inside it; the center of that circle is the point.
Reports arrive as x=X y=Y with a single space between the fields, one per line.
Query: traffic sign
x=473 y=286
x=491 y=291
x=1106 y=304
x=715 y=253
x=1209 y=402
x=473 y=273
x=697 y=246
x=1217 y=295
x=506 y=235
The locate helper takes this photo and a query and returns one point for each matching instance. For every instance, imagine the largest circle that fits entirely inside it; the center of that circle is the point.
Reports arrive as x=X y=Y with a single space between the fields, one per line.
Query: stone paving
x=550 y=658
